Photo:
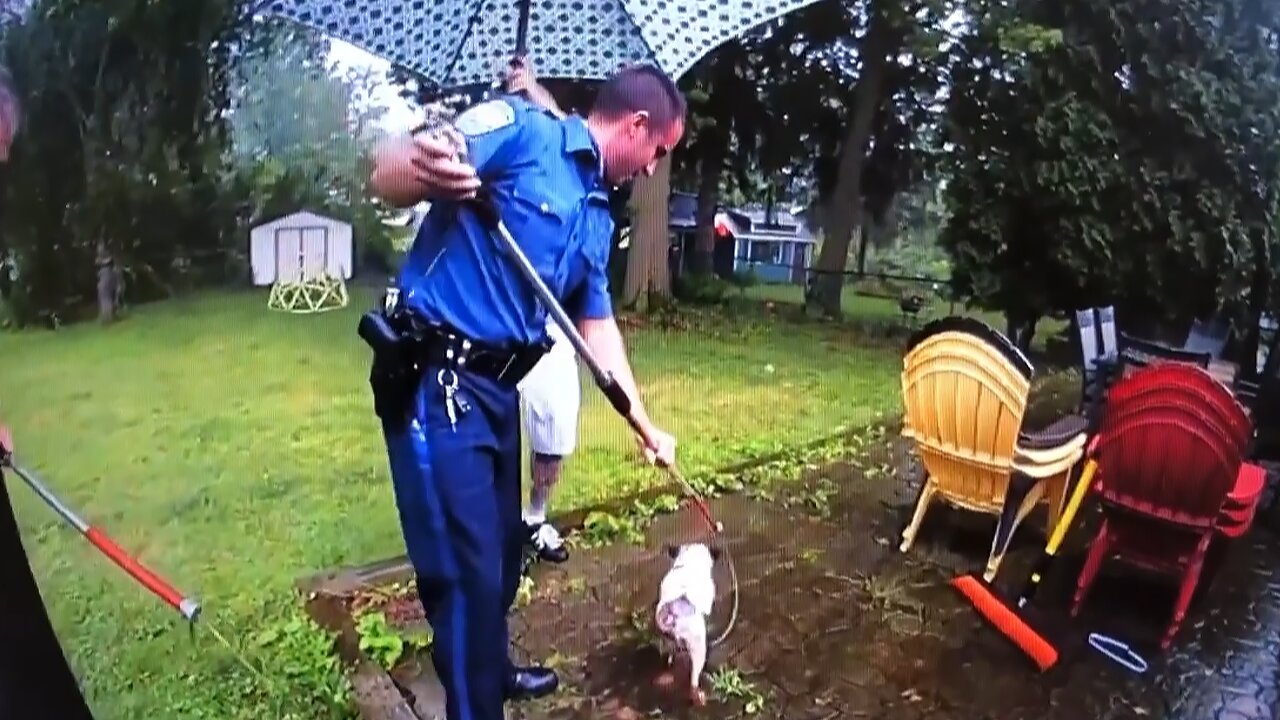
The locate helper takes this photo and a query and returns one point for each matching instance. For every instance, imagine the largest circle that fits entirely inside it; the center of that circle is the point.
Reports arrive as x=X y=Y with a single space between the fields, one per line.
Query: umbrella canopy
x=463 y=43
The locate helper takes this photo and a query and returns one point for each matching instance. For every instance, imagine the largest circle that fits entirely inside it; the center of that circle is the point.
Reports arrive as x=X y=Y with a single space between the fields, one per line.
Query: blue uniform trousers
x=457 y=488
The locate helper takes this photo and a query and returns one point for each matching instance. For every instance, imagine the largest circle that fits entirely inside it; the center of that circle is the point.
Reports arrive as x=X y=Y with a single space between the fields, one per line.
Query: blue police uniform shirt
x=545 y=175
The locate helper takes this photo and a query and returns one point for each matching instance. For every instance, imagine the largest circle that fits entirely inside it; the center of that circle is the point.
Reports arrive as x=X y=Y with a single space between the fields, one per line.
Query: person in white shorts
x=550 y=397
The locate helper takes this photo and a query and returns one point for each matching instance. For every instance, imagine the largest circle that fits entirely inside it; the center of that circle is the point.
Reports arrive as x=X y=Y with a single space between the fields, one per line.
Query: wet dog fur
x=685 y=599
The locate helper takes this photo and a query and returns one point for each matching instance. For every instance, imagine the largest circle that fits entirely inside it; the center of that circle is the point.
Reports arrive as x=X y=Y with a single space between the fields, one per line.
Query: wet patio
x=835 y=622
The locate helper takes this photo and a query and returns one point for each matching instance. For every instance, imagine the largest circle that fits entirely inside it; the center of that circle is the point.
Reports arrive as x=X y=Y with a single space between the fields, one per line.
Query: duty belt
x=437 y=345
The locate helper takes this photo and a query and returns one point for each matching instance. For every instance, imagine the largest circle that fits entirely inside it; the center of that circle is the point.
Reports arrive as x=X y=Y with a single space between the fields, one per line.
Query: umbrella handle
x=522 y=29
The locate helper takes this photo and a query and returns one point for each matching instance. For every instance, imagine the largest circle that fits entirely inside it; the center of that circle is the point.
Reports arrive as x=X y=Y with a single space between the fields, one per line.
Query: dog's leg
x=697 y=660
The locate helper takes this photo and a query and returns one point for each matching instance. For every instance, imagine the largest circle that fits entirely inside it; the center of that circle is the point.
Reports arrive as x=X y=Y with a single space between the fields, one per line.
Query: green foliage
x=770 y=112
x=705 y=289
x=146 y=145
x=730 y=684
x=743 y=279
x=302 y=656
x=382 y=252
x=1122 y=153
x=120 y=158
x=383 y=644
x=302 y=135
x=602 y=527
x=918 y=260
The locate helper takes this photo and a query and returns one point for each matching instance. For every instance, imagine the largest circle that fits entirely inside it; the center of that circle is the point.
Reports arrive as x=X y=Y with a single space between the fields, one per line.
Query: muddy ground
x=835 y=622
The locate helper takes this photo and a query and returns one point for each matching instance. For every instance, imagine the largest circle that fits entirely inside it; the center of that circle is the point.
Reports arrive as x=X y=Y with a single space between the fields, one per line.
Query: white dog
x=685 y=598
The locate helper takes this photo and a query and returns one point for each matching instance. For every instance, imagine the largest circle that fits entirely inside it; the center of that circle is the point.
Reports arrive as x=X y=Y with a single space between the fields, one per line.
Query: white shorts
x=550 y=396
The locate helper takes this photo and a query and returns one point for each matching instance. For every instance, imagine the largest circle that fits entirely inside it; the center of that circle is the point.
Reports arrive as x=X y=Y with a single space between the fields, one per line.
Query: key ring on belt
x=452 y=385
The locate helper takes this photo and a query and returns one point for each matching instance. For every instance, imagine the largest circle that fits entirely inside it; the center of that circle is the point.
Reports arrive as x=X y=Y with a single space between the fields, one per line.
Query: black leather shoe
x=526 y=683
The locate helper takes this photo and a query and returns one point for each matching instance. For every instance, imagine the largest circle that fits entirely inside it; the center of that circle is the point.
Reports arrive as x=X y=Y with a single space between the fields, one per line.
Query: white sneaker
x=546 y=540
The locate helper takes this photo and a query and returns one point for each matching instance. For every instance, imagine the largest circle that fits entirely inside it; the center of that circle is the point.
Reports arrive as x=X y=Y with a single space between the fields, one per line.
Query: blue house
x=776 y=250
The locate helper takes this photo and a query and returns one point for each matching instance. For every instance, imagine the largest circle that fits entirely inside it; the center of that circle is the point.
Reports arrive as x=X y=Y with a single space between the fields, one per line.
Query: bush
x=744 y=279
x=702 y=289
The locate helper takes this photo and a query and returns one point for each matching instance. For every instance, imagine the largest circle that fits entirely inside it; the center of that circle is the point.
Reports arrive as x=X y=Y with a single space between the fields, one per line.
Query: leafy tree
x=121 y=177
x=1133 y=161
x=302 y=134
x=868 y=153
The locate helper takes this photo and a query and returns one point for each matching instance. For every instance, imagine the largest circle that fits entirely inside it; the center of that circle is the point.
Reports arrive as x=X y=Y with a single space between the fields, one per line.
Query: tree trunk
x=648 y=272
x=715 y=152
x=108 y=276
x=1021 y=330
x=702 y=260
x=1259 y=299
x=864 y=239
x=844 y=210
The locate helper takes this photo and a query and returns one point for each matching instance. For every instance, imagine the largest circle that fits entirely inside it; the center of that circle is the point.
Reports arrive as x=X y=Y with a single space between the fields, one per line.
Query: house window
x=766 y=251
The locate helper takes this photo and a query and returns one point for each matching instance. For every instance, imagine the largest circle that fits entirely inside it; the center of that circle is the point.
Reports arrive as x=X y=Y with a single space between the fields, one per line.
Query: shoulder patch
x=485 y=118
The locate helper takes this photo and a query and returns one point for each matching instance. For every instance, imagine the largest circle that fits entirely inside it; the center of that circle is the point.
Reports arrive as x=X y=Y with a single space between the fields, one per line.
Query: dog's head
x=693 y=554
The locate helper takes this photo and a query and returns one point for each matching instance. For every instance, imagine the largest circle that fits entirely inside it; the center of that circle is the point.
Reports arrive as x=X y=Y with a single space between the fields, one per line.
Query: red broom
x=1014 y=620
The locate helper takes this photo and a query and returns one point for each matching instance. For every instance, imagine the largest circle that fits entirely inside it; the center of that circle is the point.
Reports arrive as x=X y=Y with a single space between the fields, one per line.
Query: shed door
x=288 y=254
x=315 y=251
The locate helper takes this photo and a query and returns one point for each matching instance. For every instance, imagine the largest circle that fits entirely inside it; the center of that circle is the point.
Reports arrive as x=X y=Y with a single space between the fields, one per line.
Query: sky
x=400 y=114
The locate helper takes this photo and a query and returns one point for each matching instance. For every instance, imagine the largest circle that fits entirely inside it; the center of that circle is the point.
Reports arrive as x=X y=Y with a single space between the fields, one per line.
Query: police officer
x=469 y=327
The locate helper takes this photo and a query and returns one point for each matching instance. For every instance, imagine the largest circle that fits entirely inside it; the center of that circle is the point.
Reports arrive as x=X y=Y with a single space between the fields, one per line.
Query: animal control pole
x=608 y=384
x=187 y=607
x=618 y=397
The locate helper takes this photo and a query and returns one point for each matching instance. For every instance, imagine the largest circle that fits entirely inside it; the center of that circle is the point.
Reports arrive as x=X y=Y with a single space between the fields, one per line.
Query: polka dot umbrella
x=466 y=43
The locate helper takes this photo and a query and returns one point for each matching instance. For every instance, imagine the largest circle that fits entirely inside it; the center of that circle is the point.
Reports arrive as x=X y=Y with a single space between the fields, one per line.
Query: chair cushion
x=1060 y=432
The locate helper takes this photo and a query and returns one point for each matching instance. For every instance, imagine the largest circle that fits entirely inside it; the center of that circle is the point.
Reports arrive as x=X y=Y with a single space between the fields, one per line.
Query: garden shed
x=299 y=247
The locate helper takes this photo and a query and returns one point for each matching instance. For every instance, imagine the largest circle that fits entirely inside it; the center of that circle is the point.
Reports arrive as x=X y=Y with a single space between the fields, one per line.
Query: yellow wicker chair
x=965 y=389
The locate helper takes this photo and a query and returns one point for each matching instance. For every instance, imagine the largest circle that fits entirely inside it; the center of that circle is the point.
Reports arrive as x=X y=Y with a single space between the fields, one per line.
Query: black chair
x=1139 y=353
x=1097 y=333
x=1210 y=337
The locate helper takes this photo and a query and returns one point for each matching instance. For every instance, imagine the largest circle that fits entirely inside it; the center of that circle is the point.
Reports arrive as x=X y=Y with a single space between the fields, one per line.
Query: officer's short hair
x=10 y=106
x=638 y=88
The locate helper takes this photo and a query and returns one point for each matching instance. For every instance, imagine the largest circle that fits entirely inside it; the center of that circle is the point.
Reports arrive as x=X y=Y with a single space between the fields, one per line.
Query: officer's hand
x=437 y=168
x=663 y=449
x=519 y=76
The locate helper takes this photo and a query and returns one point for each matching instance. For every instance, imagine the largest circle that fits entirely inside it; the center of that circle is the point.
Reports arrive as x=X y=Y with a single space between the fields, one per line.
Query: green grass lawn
x=855 y=306
x=234 y=450
x=867 y=308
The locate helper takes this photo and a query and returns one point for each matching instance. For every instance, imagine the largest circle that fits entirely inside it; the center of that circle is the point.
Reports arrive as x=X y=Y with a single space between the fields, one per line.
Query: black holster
x=393 y=376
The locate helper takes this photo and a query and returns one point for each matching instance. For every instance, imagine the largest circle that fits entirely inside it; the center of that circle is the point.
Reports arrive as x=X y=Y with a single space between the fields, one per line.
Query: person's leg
x=522 y=681
x=444 y=487
x=542 y=535
x=551 y=401
x=545 y=472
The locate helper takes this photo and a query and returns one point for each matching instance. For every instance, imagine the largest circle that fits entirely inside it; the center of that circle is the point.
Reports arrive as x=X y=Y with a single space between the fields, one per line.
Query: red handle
x=149 y=580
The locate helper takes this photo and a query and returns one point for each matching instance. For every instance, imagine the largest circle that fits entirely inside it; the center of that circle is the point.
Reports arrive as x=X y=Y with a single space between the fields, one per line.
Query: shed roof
x=299 y=217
